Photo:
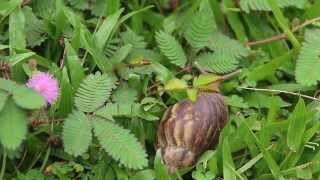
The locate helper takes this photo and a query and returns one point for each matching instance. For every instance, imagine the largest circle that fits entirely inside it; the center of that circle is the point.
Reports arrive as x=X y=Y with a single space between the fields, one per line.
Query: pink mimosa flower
x=46 y=85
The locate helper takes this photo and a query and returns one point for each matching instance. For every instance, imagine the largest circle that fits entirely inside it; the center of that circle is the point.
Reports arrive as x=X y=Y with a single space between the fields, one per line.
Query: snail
x=188 y=128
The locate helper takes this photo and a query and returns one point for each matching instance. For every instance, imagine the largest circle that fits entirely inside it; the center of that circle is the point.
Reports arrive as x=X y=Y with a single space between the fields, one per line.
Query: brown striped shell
x=189 y=128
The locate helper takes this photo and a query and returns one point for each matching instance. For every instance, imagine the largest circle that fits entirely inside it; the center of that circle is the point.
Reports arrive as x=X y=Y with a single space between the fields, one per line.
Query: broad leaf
x=27 y=98
x=13 y=125
x=16 y=29
x=104 y=31
x=3 y=99
x=297 y=126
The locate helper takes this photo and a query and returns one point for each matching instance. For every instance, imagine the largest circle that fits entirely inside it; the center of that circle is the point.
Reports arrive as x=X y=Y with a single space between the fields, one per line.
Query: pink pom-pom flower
x=46 y=85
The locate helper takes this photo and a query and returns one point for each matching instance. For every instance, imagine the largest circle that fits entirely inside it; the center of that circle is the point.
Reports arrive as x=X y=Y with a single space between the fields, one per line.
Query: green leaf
x=121 y=54
x=120 y=144
x=235 y=20
x=250 y=163
x=17 y=34
x=112 y=6
x=7 y=85
x=2 y=46
x=206 y=157
x=125 y=94
x=3 y=99
x=93 y=92
x=171 y=48
x=75 y=69
x=175 y=84
x=31 y=174
x=159 y=167
x=130 y=37
x=235 y=101
x=313 y=10
x=263 y=71
x=66 y=97
x=164 y=73
x=147 y=174
x=60 y=18
x=42 y=61
x=79 y=4
x=259 y=100
x=297 y=126
x=44 y=9
x=228 y=165
x=103 y=34
x=27 y=98
x=13 y=125
x=124 y=109
x=304 y=173
x=76 y=134
x=217 y=63
x=267 y=156
x=6 y=7
x=226 y=46
x=192 y=94
x=248 y=5
x=17 y=58
x=201 y=27
x=88 y=42
x=205 y=79
x=308 y=62
x=35 y=29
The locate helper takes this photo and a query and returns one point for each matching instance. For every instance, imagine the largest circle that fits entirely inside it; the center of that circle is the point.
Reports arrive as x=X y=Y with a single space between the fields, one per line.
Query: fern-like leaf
x=308 y=64
x=79 y=4
x=222 y=44
x=263 y=5
x=35 y=31
x=217 y=63
x=76 y=133
x=99 y=7
x=201 y=27
x=120 y=144
x=111 y=47
x=125 y=110
x=42 y=8
x=93 y=92
x=130 y=37
x=171 y=48
x=125 y=94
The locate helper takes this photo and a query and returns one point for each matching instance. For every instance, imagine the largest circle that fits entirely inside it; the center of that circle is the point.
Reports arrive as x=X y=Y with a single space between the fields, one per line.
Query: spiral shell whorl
x=175 y=157
x=189 y=128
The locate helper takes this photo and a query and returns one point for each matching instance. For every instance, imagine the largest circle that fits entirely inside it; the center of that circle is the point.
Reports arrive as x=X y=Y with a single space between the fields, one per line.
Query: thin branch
x=22 y=159
x=280 y=91
x=45 y=160
x=283 y=35
x=231 y=75
x=63 y=58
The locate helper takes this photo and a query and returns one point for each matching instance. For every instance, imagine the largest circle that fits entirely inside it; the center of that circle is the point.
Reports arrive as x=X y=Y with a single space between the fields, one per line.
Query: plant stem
x=4 y=162
x=178 y=175
x=45 y=160
x=280 y=91
x=230 y=75
x=283 y=35
x=282 y=23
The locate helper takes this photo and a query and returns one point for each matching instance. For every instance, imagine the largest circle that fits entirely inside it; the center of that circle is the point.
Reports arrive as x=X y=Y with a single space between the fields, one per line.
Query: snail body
x=188 y=128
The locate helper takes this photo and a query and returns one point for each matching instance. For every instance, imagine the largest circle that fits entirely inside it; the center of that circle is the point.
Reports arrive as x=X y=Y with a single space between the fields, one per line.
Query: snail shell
x=188 y=128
